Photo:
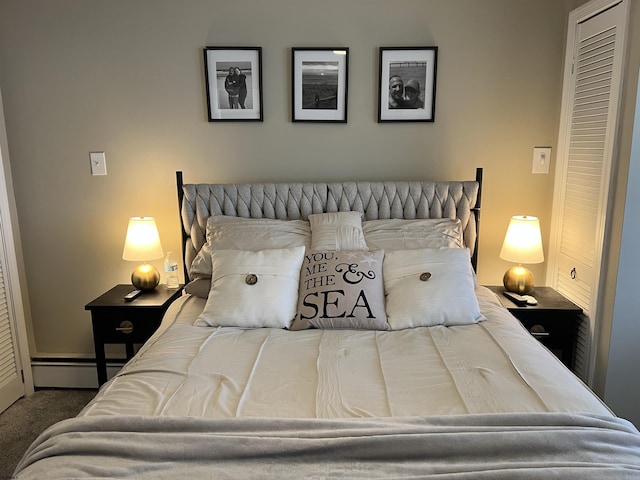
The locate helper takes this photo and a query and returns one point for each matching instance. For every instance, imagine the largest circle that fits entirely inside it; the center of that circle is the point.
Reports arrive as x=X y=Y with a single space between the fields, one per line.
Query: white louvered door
x=16 y=379
x=11 y=385
x=591 y=98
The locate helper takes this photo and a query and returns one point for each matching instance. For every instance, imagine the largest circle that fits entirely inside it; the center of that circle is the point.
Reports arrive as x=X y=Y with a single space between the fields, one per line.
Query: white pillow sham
x=399 y=234
x=237 y=233
x=429 y=286
x=253 y=289
x=337 y=231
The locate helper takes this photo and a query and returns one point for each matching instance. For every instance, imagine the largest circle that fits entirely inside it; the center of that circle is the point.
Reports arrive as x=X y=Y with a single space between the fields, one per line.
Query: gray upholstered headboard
x=293 y=201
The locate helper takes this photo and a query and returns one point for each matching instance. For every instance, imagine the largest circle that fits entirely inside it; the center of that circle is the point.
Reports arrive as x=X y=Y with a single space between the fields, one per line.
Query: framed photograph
x=407 y=84
x=233 y=76
x=319 y=84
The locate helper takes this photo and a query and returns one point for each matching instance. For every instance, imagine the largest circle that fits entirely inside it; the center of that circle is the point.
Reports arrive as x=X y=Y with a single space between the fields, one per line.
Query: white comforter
x=443 y=403
x=494 y=366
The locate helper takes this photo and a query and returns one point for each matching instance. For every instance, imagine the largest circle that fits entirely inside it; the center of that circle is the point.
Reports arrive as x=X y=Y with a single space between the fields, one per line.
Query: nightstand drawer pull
x=125 y=327
x=538 y=331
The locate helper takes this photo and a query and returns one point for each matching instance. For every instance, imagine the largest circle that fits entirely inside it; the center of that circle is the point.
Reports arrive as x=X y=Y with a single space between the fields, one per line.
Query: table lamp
x=141 y=244
x=522 y=244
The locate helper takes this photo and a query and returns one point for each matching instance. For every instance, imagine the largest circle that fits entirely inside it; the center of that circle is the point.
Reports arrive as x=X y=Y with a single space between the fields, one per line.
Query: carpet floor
x=23 y=421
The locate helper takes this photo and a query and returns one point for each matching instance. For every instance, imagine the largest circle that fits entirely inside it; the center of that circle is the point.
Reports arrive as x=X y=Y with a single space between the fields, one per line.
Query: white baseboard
x=68 y=374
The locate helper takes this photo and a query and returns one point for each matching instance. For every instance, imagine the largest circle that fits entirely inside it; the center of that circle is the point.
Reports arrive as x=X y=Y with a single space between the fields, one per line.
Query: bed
x=337 y=330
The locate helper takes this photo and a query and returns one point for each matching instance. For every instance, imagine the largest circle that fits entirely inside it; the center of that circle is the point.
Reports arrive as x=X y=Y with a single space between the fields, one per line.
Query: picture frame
x=319 y=82
x=412 y=67
x=237 y=96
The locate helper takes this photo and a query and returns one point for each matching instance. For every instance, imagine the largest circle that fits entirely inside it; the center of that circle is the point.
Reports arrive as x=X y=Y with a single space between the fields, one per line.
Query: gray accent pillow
x=199 y=287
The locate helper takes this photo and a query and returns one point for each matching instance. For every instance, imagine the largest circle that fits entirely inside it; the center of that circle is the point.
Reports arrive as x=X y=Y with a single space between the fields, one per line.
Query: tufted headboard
x=294 y=201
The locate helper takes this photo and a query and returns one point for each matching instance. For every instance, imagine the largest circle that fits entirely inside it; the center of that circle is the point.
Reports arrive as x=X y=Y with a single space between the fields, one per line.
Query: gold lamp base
x=518 y=280
x=145 y=277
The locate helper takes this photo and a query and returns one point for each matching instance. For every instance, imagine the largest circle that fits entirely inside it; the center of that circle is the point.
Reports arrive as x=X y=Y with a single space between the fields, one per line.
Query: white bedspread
x=494 y=366
x=482 y=401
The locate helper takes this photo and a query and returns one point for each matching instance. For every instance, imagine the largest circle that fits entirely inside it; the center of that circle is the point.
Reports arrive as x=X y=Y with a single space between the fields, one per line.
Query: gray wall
x=622 y=394
x=126 y=77
x=604 y=346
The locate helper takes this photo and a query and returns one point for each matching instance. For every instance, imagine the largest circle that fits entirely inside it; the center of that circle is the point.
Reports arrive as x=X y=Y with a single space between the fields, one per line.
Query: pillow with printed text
x=341 y=289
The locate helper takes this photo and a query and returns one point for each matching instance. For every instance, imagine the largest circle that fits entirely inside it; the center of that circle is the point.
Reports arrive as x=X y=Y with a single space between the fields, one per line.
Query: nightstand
x=553 y=321
x=128 y=323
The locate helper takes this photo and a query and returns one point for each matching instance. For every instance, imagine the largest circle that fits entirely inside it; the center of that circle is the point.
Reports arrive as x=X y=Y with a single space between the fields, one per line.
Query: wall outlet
x=98 y=163
x=541 y=159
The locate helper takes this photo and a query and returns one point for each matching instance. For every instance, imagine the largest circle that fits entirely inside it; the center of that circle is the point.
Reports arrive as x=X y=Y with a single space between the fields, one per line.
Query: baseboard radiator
x=69 y=373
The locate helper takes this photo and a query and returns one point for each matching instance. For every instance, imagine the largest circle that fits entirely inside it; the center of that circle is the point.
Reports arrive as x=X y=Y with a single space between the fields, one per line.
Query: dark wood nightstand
x=128 y=323
x=554 y=320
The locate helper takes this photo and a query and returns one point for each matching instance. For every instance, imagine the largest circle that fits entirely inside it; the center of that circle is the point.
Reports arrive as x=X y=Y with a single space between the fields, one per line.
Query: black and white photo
x=407 y=84
x=233 y=78
x=319 y=84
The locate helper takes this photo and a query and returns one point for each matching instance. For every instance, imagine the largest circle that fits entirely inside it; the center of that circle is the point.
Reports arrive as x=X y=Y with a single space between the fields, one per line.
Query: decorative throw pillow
x=253 y=289
x=225 y=232
x=199 y=287
x=201 y=264
x=337 y=231
x=399 y=234
x=341 y=289
x=430 y=286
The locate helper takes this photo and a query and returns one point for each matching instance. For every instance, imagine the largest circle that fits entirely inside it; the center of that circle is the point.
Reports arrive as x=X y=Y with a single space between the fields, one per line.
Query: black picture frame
x=227 y=99
x=319 y=84
x=399 y=66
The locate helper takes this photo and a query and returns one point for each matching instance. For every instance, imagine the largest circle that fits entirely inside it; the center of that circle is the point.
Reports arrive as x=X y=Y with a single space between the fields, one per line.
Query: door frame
x=576 y=17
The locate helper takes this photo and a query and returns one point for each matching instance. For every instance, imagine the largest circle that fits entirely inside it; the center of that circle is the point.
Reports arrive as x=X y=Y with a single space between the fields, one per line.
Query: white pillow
x=237 y=233
x=399 y=234
x=446 y=297
x=337 y=231
x=253 y=289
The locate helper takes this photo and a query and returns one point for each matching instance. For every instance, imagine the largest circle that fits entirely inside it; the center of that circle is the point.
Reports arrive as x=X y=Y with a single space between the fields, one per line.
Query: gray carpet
x=23 y=421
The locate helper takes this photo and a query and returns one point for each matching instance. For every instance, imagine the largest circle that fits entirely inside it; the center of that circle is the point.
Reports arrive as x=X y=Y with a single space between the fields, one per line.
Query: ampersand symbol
x=351 y=275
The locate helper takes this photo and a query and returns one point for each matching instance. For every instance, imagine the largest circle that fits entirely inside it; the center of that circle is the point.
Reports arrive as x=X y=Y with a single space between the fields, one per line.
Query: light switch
x=541 y=159
x=98 y=163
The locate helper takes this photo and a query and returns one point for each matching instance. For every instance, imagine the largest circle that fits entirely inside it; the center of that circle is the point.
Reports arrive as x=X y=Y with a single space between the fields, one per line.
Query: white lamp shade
x=142 y=242
x=523 y=242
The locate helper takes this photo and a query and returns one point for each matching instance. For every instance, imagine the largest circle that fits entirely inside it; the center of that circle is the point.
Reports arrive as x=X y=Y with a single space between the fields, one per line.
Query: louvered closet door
x=11 y=386
x=585 y=152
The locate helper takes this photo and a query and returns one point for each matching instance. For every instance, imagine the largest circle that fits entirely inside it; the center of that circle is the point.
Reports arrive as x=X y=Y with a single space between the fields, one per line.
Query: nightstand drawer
x=121 y=329
x=548 y=328
x=539 y=331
